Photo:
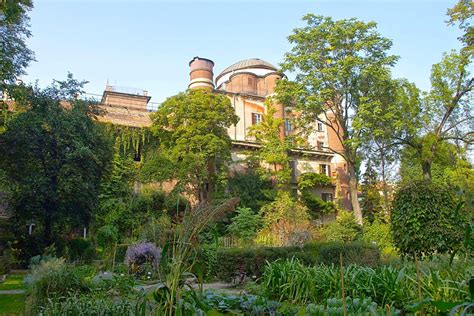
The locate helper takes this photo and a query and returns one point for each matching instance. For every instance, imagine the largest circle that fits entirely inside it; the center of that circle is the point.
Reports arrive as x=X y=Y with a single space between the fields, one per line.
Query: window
x=320 y=145
x=326 y=197
x=257 y=118
x=323 y=169
x=288 y=126
x=320 y=127
x=249 y=81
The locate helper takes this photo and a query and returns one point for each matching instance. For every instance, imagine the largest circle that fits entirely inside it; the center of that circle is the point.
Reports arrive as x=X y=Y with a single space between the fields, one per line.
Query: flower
x=142 y=253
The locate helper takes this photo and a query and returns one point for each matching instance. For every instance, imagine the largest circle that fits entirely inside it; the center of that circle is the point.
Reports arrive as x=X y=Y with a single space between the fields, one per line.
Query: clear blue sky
x=148 y=44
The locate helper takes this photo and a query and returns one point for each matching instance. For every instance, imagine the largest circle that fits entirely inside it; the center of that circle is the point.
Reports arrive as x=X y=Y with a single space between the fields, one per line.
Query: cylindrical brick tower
x=200 y=73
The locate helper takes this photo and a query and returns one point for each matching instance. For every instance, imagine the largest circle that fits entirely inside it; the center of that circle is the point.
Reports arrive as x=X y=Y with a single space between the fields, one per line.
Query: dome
x=255 y=65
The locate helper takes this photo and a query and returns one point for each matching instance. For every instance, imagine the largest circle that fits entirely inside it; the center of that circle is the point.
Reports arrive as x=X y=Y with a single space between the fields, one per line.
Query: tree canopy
x=54 y=156
x=336 y=65
x=194 y=146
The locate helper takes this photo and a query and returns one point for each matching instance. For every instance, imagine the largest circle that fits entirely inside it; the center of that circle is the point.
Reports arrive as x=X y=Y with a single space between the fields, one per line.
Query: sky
x=148 y=44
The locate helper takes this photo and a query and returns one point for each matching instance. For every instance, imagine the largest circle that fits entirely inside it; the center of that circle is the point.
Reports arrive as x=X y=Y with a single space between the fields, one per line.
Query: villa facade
x=247 y=83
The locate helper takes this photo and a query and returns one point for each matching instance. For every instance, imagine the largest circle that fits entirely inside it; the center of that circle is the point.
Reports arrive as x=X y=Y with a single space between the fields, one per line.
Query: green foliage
x=371 y=199
x=343 y=229
x=463 y=13
x=272 y=156
x=379 y=233
x=427 y=219
x=310 y=180
x=250 y=188
x=393 y=286
x=54 y=158
x=352 y=253
x=244 y=224
x=240 y=263
x=285 y=221
x=81 y=249
x=191 y=129
x=53 y=279
x=16 y=56
x=333 y=59
x=316 y=206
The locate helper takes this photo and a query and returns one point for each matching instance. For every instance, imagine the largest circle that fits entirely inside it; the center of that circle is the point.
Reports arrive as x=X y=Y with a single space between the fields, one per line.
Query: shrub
x=249 y=262
x=426 y=219
x=352 y=253
x=343 y=229
x=316 y=205
x=282 y=218
x=379 y=234
x=310 y=180
x=52 y=278
x=140 y=255
x=245 y=224
x=81 y=249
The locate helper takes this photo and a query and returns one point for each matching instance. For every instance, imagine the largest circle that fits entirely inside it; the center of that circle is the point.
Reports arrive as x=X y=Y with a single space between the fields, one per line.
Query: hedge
x=250 y=262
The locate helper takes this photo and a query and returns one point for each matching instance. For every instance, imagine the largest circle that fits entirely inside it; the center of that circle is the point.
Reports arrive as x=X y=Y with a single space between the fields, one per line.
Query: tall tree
x=446 y=111
x=191 y=128
x=397 y=108
x=463 y=13
x=336 y=64
x=54 y=156
x=273 y=155
x=15 y=55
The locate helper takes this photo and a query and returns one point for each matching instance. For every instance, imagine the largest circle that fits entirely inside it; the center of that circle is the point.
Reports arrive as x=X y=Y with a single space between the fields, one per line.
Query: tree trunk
x=384 y=182
x=48 y=228
x=426 y=168
x=353 y=193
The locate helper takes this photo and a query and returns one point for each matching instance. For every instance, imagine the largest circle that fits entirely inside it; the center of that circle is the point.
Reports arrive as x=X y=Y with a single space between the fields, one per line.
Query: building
x=247 y=83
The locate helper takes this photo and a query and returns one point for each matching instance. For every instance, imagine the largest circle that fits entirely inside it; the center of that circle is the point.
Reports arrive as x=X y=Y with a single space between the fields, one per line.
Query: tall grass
x=290 y=280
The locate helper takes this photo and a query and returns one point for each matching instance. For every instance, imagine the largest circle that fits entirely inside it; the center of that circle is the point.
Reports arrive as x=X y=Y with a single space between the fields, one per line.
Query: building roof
x=248 y=63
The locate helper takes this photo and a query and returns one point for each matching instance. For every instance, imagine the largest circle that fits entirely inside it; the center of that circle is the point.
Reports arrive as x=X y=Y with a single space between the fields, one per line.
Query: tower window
x=257 y=118
x=249 y=81
x=320 y=145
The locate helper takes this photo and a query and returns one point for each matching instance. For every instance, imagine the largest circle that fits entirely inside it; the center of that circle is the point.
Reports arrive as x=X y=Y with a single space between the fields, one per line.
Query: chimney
x=200 y=73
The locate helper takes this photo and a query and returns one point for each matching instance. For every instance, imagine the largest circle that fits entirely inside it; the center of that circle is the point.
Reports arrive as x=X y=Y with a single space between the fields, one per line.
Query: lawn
x=12 y=304
x=13 y=282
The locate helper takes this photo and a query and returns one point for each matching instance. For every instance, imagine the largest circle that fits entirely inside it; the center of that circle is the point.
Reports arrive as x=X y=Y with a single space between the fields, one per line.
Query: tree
x=336 y=64
x=371 y=200
x=427 y=219
x=285 y=220
x=191 y=129
x=463 y=13
x=446 y=111
x=54 y=157
x=273 y=155
x=245 y=224
x=397 y=108
x=13 y=33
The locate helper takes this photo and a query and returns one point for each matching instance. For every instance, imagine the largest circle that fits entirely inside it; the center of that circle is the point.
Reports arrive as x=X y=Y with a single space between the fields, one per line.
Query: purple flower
x=142 y=253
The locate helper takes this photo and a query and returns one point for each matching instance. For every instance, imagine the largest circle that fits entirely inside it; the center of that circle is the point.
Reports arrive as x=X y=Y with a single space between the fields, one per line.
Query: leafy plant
x=343 y=229
x=244 y=224
x=427 y=219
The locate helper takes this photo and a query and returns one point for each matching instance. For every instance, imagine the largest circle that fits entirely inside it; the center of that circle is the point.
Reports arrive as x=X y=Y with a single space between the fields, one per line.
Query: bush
x=249 y=262
x=343 y=229
x=427 y=219
x=352 y=253
x=81 y=249
x=52 y=278
x=140 y=255
x=379 y=234
x=245 y=224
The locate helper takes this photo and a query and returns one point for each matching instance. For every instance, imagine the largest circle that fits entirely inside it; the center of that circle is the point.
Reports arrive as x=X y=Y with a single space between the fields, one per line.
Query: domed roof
x=248 y=63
